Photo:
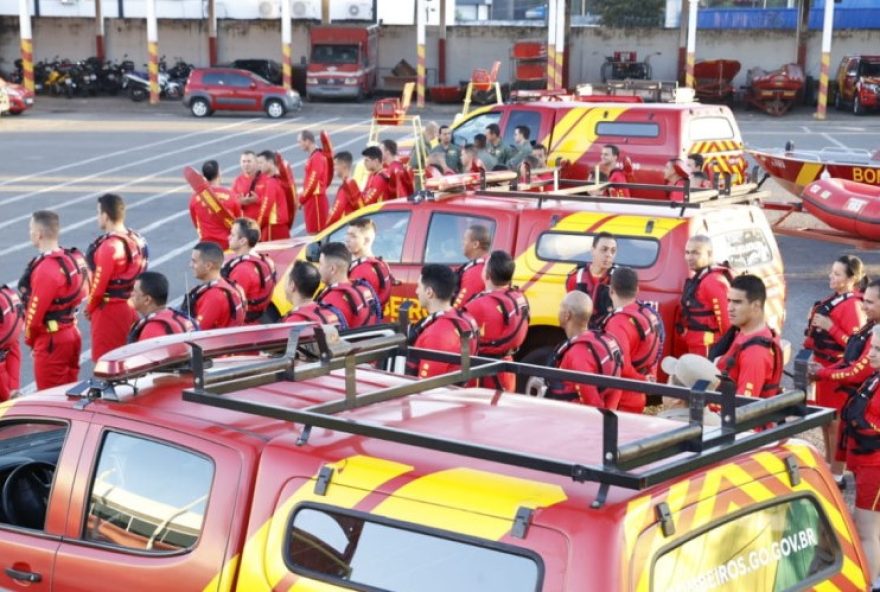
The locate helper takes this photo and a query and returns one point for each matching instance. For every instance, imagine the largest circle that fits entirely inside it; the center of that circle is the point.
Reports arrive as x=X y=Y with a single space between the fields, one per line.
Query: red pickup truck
x=177 y=467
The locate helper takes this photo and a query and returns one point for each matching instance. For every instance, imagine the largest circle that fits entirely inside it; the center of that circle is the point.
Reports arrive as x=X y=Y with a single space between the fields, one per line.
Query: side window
x=786 y=546
x=147 y=496
x=390 y=235
x=530 y=119
x=238 y=81
x=464 y=133
x=213 y=79
x=710 y=128
x=742 y=249
x=445 y=232
x=29 y=451
x=565 y=247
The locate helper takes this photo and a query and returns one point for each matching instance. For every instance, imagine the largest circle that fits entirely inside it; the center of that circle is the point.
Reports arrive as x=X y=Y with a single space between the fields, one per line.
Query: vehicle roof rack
x=660 y=456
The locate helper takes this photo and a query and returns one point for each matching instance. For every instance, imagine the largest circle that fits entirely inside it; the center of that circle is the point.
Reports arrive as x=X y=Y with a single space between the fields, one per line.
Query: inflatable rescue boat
x=851 y=207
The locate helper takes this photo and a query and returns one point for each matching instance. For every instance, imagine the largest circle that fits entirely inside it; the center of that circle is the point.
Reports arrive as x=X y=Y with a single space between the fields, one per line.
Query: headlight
x=293 y=94
x=351 y=81
x=311 y=81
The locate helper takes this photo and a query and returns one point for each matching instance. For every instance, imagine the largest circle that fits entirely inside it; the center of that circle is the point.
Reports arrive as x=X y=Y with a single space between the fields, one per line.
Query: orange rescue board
x=202 y=187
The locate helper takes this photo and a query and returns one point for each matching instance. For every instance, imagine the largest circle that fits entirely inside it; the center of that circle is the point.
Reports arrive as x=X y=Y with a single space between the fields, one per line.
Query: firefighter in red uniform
x=274 y=218
x=611 y=169
x=303 y=282
x=639 y=332
x=861 y=440
x=444 y=326
x=253 y=272
x=215 y=303
x=365 y=266
x=11 y=324
x=750 y=353
x=832 y=321
x=703 y=316
x=378 y=187
x=116 y=258
x=585 y=350
x=400 y=177
x=244 y=189
x=211 y=225
x=593 y=278
x=52 y=287
x=502 y=314
x=149 y=298
x=317 y=176
x=357 y=302
x=676 y=174
x=348 y=197
x=475 y=245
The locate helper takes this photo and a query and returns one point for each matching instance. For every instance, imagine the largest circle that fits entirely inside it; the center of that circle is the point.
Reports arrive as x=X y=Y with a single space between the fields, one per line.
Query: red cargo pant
x=56 y=357
x=111 y=323
x=10 y=370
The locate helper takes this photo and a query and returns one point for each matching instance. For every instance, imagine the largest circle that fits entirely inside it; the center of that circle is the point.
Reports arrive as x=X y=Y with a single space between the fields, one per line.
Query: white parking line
x=833 y=140
x=126 y=151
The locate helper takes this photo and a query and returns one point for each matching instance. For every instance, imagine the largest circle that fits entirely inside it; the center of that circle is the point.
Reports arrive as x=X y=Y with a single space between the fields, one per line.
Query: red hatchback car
x=20 y=99
x=213 y=89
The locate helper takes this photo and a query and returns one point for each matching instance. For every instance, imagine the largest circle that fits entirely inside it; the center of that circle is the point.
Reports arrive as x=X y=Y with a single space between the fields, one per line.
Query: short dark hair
x=372 y=152
x=307 y=135
x=154 y=285
x=875 y=283
x=479 y=140
x=524 y=131
x=210 y=170
x=539 y=147
x=613 y=149
x=698 y=159
x=48 y=220
x=305 y=278
x=391 y=146
x=337 y=251
x=494 y=128
x=625 y=282
x=112 y=205
x=441 y=279
x=442 y=127
x=268 y=155
x=363 y=224
x=482 y=235
x=752 y=286
x=500 y=268
x=344 y=156
x=249 y=229
x=210 y=252
x=248 y=152
x=600 y=235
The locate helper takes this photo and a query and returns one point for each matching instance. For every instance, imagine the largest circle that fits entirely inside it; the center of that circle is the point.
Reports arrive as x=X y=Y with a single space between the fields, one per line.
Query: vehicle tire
x=275 y=109
x=532 y=385
x=138 y=93
x=858 y=109
x=200 y=108
x=838 y=102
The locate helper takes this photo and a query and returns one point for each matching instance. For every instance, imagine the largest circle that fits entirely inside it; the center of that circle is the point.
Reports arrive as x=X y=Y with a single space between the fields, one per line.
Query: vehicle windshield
x=869 y=69
x=260 y=79
x=335 y=54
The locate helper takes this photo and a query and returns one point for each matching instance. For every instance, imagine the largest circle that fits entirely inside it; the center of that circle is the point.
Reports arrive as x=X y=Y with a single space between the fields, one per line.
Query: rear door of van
x=713 y=132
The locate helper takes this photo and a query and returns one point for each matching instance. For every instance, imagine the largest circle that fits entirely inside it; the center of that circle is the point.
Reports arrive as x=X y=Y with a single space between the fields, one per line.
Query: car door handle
x=23 y=576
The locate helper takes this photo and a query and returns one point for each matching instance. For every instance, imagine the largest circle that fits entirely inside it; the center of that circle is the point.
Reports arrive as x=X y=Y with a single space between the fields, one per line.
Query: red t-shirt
x=314 y=195
x=213 y=225
x=220 y=305
x=470 y=281
x=751 y=368
x=442 y=331
x=240 y=188
x=378 y=189
x=348 y=200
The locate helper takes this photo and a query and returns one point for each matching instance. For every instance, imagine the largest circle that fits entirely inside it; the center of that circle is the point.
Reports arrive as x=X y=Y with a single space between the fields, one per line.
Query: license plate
x=28 y=101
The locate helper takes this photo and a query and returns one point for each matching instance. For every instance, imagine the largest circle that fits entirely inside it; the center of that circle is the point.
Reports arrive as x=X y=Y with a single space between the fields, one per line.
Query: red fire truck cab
x=344 y=61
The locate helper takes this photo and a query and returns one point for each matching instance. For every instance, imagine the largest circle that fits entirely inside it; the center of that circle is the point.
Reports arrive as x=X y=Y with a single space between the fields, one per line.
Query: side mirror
x=313 y=252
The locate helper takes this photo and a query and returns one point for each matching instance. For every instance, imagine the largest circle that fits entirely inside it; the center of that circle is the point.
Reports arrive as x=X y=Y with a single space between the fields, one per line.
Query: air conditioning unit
x=352 y=10
x=270 y=9
x=306 y=9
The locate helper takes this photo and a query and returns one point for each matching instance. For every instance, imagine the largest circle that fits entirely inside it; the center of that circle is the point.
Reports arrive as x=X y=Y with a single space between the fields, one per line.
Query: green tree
x=631 y=13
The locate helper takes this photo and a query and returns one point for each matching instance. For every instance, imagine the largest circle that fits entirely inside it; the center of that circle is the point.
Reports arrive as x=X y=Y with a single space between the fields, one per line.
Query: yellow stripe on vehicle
x=225 y=580
x=467 y=501
x=826 y=586
x=808 y=173
x=581 y=137
x=354 y=478
x=6 y=406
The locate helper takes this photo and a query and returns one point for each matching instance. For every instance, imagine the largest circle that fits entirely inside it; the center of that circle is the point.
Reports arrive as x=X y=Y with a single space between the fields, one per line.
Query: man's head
x=111 y=211
x=672 y=171
x=150 y=292
x=206 y=261
x=499 y=269
x=437 y=285
x=45 y=226
x=359 y=237
x=745 y=300
x=430 y=130
x=624 y=286
x=266 y=162
x=698 y=252
x=493 y=133
x=333 y=263
x=342 y=164
x=244 y=235
x=695 y=162
x=476 y=241
x=521 y=134
x=306 y=141
x=575 y=311
x=248 y=162
x=372 y=158
x=468 y=155
x=389 y=150
x=539 y=151
x=609 y=155
x=604 y=251
x=211 y=171
x=871 y=301
x=302 y=281
x=480 y=141
x=445 y=135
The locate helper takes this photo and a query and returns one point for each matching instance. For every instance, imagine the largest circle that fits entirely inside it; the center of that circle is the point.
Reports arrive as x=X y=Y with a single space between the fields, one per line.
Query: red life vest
x=77 y=277
x=136 y=254
x=234 y=299
x=819 y=340
x=651 y=336
x=514 y=309
x=855 y=425
x=172 y=322
x=259 y=301
x=320 y=313
x=11 y=316
x=361 y=300
x=582 y=280
x=462 y=323
x=601 y=347
x=725 y=346
x=383 y=276
x=695 y=315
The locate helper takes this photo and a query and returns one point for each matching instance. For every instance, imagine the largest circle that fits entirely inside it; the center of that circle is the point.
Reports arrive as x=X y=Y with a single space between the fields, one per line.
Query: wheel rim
x=275 y=109
x=199 y=109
